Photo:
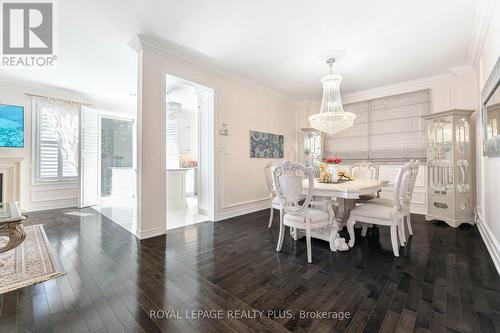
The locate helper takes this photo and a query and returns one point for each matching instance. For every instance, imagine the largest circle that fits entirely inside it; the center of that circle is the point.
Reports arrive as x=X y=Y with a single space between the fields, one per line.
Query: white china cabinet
x=449 y=167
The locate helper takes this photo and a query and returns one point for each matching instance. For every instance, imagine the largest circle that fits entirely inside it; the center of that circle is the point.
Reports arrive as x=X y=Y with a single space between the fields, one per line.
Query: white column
x=151 y=145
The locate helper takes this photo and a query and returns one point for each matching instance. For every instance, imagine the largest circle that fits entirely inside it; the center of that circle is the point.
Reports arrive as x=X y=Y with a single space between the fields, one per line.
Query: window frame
x=60 y=179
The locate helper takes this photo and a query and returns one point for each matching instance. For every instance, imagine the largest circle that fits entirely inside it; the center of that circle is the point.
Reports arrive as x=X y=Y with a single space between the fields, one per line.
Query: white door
x=89 y=157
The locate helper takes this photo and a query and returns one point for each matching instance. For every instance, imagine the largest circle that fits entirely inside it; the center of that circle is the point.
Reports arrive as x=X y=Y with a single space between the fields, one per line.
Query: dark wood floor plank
x=443 y=281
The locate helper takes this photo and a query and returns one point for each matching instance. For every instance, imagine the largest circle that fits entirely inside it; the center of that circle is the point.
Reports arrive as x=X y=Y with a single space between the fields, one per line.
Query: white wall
x=239 y=179
x=38 y=196
x=489 y=168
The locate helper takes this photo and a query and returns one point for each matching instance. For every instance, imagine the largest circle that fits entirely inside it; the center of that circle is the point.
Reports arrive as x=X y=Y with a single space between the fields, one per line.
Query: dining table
x=343 y=195
x=11 y=226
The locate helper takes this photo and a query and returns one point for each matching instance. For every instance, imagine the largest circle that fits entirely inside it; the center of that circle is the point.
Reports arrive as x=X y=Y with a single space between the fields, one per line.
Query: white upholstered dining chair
x=385 y=215
x=288 y=180
x=275 y=201
x=365 y=170
x=414 y=166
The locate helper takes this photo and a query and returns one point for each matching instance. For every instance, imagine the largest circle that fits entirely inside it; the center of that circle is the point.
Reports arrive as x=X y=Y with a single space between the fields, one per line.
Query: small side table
x=11 y=225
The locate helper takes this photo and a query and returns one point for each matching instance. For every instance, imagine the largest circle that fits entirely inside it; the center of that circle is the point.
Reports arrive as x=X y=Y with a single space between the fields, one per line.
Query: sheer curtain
x=57 y=139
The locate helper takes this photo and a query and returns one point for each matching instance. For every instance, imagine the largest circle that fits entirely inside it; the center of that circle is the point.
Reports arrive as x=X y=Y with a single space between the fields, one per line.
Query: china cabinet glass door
x=312 y=150
x=440 y=137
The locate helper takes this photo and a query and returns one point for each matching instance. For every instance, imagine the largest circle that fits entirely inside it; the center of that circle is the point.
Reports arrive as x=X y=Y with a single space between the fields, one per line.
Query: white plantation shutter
x=48 y=156
x=172 y=145
x=89 y=157
x=57 y=141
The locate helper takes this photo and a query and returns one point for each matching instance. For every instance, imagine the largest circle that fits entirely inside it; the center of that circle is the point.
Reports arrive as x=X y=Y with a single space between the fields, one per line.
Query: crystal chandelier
x=332 y=118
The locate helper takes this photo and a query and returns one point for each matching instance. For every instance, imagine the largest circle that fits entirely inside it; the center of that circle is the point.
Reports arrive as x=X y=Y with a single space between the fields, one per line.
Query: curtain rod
x=58 y=99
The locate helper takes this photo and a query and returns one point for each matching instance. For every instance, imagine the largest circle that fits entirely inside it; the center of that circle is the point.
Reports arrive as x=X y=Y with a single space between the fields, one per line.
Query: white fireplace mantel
x=10 y=168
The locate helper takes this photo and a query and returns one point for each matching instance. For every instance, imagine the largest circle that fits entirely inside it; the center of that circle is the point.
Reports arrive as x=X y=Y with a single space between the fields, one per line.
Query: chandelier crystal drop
x=332 y=118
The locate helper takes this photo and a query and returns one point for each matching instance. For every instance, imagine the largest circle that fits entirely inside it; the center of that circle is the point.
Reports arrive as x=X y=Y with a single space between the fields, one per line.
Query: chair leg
x=350 y=228
x=408 y=223
x=364 y=229
x=308 y=243
x=401 y=231
x=271 y=218
x=281 y=234
x=394 y=240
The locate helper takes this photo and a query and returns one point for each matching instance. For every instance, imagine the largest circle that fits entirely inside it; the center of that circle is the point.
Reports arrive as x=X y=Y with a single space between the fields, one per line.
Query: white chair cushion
x=276 y=201
x=388 y=203
x=382 y=202
x=316 y=215
x=378 y=212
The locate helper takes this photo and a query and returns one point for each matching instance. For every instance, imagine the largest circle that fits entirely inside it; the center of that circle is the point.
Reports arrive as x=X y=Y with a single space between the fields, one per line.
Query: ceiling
x=274 y=44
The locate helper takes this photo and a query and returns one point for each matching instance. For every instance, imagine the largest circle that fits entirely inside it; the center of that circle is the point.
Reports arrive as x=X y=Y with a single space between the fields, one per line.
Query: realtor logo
x=28 y=33
x=27 y=28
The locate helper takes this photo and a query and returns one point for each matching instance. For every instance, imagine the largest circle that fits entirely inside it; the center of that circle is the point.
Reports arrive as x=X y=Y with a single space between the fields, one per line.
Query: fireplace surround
x=10 y=184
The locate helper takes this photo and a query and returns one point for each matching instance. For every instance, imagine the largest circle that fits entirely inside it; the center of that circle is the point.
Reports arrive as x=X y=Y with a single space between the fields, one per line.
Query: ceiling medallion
x=332 y=118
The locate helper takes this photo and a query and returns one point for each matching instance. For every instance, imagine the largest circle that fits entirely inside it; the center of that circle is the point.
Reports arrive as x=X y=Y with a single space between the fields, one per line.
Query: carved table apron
x=11 y=226
x=345 y=195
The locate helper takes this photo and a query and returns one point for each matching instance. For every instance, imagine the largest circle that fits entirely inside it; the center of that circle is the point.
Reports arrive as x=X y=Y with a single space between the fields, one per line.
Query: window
x=386 y=129
x=56 y=141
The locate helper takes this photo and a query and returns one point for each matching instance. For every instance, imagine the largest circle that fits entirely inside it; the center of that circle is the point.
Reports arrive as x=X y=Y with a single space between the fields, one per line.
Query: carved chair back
x=414 y=173
x=268 y=172
x=402 y=190
x=364 y=170
x=289 y=179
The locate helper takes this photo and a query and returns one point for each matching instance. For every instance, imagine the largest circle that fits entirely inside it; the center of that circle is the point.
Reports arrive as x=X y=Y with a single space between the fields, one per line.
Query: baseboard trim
x=490 y=241
x=150 y=233
x=52 y=204
x=243 y=209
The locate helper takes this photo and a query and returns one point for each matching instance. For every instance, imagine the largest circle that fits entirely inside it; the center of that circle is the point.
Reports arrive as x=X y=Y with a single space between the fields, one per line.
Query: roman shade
x=386 y=129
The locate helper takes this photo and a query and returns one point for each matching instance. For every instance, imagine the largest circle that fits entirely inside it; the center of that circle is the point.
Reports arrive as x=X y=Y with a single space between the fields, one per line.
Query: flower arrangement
x=333 y=160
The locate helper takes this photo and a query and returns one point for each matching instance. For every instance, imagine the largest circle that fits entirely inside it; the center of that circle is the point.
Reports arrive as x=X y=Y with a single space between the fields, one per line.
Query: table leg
x=343 y=209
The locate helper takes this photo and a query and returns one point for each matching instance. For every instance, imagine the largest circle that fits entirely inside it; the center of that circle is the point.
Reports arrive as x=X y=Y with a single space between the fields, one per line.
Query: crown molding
x=461 y=69
x=165 y=49
x=384 y=90
x=387 y=89
x=481 y=26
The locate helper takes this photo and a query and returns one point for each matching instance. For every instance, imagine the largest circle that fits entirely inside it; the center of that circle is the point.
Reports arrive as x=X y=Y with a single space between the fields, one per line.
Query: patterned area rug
x=31 y=262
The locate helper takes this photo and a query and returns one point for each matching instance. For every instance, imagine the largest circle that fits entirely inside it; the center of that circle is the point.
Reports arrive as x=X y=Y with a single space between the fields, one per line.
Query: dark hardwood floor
x=444 y=281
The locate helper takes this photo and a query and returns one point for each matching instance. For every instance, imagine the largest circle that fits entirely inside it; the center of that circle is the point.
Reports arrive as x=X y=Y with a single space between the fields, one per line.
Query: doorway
x=189 y=164
x=117 y=170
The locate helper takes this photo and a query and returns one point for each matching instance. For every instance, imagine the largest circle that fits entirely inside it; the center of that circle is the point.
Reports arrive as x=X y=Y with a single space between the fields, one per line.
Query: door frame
x=212 y=213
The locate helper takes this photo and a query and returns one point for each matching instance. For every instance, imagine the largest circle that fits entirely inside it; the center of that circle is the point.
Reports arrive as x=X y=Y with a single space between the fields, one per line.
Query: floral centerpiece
x=329 y=169
x=333 y=160
x=332 y=163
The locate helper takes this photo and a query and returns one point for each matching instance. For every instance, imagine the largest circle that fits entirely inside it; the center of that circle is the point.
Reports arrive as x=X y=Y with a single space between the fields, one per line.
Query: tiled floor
x=121 y=211
x=183 y=217
x=124 y=213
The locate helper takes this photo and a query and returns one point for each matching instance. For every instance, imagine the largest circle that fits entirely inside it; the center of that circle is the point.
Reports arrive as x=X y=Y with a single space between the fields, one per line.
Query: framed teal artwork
x=266 y=145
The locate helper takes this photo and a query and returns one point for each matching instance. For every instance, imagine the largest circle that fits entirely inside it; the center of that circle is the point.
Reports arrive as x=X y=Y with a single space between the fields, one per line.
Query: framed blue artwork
x=266 y=145
x=11 y=126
